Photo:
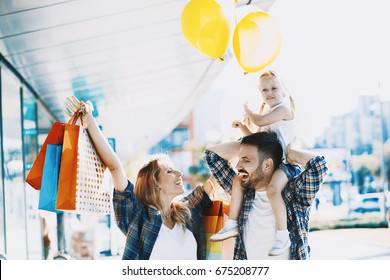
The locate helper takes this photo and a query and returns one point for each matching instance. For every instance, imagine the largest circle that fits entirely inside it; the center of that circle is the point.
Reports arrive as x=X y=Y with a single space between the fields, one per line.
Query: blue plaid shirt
x=141 y=223
x=298 y=196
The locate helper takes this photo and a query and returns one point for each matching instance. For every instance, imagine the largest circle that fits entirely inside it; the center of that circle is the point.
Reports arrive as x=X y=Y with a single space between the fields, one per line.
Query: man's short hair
x=267 y=144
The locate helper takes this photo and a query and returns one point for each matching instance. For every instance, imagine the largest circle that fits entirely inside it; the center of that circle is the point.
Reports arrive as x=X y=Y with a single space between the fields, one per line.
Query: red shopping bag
x=55 y=136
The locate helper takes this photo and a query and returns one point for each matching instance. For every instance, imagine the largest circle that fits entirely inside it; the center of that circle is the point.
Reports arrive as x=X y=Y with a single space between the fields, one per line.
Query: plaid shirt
x=141 y=223
x=298 y=196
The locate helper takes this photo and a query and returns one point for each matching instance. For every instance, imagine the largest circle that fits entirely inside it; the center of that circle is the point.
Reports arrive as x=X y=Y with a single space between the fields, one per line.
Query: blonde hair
x=148 y=192
x=271 y=73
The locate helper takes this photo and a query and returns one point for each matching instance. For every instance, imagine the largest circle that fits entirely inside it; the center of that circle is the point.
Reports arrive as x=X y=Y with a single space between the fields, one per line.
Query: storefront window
x=2 y=222
x=14 y=190
x=30 y=147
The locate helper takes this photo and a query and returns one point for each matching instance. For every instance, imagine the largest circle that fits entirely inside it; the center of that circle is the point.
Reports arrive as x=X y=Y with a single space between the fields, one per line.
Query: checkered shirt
x=297 y=195
x=141 y=223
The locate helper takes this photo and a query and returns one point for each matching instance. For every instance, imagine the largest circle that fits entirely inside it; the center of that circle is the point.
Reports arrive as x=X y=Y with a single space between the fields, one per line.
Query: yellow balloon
x=206 y=27
x=256 y=41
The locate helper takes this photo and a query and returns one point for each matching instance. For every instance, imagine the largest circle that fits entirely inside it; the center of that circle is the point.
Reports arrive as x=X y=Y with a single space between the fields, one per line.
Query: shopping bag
x=82 y=186
x=51 y=168
x=55 y=136
x=213 y=221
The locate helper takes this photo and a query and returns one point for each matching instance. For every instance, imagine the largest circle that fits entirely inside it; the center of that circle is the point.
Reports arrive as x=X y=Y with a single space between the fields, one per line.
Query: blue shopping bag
x=49 y=186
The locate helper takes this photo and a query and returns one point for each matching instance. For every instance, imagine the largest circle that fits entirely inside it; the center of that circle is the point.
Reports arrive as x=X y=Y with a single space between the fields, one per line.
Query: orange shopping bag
x=55 y=136
x=82 y=186
x=213 y=221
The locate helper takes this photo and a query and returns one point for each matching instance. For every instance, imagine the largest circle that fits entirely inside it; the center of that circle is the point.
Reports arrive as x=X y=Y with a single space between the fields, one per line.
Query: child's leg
x=236 y=200
x=274 y=191
x=231 y=227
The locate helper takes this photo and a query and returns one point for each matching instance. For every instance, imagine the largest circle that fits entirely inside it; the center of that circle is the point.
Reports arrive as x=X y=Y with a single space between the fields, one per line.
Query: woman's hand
x=74 y=106
x=107 y=154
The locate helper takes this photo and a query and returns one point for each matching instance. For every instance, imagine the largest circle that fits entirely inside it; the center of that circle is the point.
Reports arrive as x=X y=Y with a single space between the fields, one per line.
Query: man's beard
x=255 y=178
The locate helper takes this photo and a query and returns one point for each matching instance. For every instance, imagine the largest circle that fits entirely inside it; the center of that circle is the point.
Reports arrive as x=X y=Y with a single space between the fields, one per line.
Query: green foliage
x=368 y=163
x=200 y=171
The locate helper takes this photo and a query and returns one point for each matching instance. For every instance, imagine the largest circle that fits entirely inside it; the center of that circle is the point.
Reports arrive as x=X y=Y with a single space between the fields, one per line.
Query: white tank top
x=174 y=244
x=260 y=230
x=285 y=129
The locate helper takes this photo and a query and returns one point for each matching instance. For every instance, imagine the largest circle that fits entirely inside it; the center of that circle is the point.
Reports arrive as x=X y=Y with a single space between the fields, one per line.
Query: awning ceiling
x=128 y=57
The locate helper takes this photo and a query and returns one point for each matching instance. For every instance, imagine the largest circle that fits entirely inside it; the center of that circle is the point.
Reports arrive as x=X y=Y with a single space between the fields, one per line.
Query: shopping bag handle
x=75 y=117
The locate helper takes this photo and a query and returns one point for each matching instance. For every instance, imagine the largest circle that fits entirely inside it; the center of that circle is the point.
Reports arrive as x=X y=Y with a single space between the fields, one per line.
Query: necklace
x=166 y=216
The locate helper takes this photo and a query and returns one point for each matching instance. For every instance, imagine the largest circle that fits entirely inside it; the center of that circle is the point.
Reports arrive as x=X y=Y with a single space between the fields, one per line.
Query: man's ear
x=268 y=165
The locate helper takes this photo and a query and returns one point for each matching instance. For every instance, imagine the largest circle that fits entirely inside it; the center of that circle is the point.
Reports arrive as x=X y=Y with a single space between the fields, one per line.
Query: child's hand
x=246 y=120
x=237 y=124
x=237 y=181
x=246 y=109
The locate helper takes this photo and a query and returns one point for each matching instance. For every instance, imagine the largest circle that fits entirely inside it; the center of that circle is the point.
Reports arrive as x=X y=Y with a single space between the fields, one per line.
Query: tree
x=365 y=165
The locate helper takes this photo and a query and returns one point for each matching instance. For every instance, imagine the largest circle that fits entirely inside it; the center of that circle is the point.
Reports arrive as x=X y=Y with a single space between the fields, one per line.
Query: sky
x=332 y=52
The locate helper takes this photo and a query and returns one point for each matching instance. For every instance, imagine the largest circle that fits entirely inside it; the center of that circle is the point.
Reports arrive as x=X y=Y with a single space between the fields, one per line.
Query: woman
x=155 y=226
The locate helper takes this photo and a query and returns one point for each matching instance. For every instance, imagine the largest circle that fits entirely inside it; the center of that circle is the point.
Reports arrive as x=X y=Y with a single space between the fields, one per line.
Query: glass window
x=2 y=224
x=14 y=190
x=50 y=226
x=174 y=140
x=30 y=147
x=179 y=137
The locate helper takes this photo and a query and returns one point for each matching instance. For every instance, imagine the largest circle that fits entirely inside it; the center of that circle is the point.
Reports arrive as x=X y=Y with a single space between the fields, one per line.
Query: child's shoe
x=228 y=231
x=282 y=243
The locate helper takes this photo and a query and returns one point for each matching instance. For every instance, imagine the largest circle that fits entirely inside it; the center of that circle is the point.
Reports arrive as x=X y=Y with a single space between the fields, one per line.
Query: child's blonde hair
x=276 y=76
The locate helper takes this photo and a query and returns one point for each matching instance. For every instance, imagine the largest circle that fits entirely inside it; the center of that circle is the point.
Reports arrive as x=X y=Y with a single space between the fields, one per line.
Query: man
x=259 y=154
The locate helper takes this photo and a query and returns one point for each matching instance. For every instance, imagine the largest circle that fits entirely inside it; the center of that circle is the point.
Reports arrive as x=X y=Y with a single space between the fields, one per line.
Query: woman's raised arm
x=107 y=154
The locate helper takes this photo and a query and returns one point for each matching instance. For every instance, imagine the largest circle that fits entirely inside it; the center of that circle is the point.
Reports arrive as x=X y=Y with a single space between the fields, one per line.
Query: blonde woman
x=155 y=226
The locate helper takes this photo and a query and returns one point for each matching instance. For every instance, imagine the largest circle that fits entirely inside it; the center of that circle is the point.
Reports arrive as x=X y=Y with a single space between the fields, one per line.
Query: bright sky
x=332 y=52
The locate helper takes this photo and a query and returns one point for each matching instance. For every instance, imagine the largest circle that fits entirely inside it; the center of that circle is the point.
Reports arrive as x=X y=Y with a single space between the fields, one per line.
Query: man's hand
x=299 y=156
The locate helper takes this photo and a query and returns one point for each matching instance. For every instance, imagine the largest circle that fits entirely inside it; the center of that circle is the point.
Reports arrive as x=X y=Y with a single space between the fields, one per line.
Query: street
x=350 y=244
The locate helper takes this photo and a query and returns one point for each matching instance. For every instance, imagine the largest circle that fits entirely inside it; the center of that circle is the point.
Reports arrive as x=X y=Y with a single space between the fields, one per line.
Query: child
x=280 y=119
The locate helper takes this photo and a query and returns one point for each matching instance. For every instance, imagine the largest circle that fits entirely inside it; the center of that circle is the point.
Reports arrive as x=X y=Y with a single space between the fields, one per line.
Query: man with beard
x=259 y=154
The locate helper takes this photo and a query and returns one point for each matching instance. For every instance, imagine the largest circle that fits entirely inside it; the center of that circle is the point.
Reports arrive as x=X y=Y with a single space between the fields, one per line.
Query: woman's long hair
x=147 y=189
